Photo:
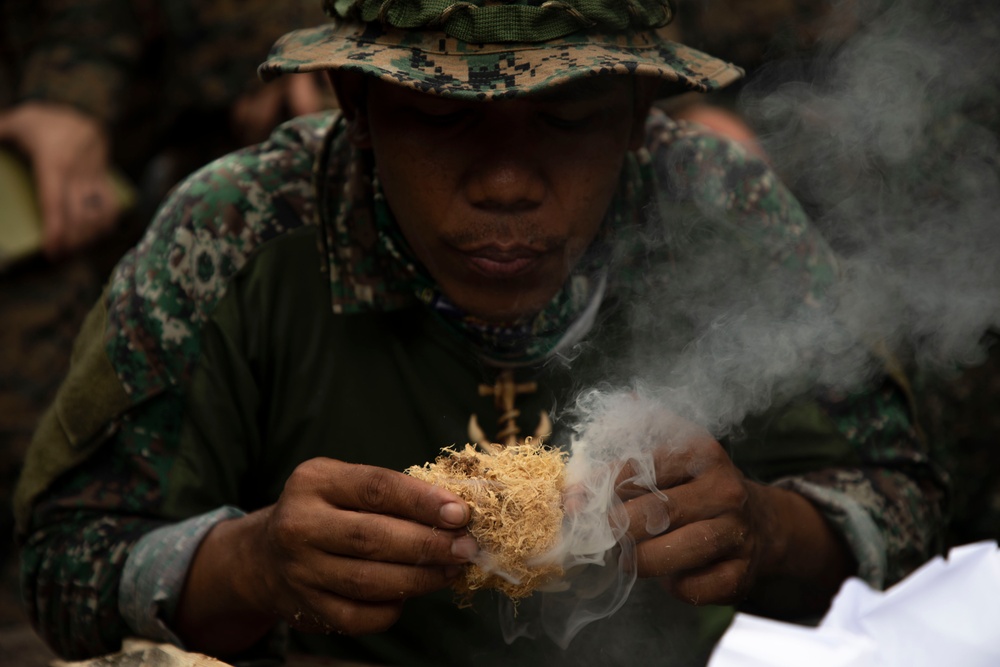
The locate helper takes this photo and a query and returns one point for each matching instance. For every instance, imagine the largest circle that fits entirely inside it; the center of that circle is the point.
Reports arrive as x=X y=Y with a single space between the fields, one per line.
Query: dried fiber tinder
x=515 y=494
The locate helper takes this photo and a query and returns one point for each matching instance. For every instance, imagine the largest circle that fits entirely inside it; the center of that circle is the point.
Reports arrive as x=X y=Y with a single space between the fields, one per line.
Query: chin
x=500 y=311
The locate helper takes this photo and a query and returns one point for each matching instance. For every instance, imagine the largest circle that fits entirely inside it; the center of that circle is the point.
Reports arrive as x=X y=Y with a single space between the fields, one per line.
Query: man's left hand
x=714 y=537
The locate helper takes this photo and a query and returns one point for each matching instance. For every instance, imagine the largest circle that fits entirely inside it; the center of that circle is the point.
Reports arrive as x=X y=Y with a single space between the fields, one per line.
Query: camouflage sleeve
x=155 y=571
x=886 y=498
x=890 y=507
x=95 y=475
x=84 y=56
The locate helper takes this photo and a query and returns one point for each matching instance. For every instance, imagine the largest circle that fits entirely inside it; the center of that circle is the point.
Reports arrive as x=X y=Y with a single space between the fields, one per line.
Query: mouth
x=503 y=261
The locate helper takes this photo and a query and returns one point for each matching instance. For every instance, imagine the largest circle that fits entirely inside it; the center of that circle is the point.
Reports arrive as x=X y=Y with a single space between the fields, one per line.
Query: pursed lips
x=502 y=261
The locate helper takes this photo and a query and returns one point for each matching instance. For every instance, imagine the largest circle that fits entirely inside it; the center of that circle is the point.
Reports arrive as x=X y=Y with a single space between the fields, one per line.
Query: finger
x=51 y=183
x=663 y=469
x=725 y=582
x=686 y=454
x=382 y=491
x=304 y=95
x=373 y=581
x=390 y=539
x=691 y=547
x=701 y=500
x=329 y=613
x=378 y=491
x=91 y=211
x=256 y=113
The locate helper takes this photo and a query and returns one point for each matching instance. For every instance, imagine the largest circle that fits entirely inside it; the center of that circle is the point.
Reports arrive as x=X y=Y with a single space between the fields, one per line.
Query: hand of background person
x=68 y=151
x=255 y=114
x=714 y=537
x=722 y=122
x=341 y=550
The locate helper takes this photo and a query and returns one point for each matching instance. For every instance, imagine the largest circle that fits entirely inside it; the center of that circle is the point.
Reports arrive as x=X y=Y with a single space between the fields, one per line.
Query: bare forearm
x=803 y=560
x=220 y=611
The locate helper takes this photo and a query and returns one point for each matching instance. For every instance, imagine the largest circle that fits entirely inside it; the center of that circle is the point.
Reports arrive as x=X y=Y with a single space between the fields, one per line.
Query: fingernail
x=453 y=513
x=464 y=547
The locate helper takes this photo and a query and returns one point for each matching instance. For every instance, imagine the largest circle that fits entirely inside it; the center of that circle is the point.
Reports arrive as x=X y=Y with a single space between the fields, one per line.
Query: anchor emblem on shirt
x=504 y=392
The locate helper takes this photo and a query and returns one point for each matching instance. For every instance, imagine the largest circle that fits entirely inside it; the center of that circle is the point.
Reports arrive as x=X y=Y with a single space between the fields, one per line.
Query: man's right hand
x=341 y=550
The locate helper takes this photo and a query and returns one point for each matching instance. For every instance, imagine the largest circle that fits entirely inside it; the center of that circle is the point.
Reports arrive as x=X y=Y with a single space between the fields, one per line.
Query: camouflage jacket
x=261 y=322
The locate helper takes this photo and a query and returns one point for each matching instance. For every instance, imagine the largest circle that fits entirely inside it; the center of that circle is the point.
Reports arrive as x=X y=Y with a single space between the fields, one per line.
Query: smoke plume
x=890 y=140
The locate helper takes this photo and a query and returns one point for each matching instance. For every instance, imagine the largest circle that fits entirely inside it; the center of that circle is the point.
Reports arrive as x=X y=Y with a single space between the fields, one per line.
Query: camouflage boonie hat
x=489 y=49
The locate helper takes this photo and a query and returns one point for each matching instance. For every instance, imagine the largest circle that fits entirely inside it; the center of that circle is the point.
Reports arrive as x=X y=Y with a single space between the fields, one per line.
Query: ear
x=643 y=97
x=351 y=89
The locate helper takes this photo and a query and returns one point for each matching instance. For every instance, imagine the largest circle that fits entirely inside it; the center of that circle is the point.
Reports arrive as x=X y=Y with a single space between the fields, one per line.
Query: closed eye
x=445 y=119
x=568 y=122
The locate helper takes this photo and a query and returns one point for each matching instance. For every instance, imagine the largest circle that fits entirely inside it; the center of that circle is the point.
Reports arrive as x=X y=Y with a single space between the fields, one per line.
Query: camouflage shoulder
x=166 y=287
x=718 y=181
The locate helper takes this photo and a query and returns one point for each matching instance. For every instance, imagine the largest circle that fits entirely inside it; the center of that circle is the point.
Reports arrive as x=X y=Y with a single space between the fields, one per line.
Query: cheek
x=591 y=177
x=413 y=180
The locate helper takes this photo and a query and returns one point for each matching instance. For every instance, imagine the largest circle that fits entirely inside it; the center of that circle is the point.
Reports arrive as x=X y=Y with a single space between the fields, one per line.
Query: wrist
x=224 y=607
x=774 y=519
x=801 y=559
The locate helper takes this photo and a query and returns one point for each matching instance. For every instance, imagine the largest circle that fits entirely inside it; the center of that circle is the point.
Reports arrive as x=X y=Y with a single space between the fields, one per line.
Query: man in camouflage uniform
x=308 y=317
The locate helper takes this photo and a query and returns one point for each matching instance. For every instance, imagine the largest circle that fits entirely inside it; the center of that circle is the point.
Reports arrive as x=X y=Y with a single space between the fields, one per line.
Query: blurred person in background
x=99 y=98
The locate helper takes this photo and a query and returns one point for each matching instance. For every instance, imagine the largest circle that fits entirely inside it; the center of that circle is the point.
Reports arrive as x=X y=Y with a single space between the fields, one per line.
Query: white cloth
x=945 y=613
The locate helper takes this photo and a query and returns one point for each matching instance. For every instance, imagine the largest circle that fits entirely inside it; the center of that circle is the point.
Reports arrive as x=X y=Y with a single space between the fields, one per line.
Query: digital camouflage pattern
x=435 y=62
x=517 y=21
x=96 y=475
x=880 y=425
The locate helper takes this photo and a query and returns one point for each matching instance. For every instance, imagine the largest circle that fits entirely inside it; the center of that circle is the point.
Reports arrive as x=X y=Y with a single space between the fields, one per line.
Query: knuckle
x=306 y=473
x=368 y=538
x=366 y=581
x=429 y=579
x=432 y=548
x=377 y=486
x=733 y=582
x=287 y=527
x=357 y=583
x=733 y=492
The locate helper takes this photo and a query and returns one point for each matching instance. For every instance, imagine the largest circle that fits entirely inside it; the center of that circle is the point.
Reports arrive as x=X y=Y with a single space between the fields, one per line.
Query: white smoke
x=890 y=139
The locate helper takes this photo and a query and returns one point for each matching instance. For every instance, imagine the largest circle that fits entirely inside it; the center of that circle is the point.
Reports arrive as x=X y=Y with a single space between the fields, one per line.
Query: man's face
x=499 y=200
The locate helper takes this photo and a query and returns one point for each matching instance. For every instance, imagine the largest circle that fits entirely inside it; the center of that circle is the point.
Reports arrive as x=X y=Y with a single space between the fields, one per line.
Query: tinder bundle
x=515 y=494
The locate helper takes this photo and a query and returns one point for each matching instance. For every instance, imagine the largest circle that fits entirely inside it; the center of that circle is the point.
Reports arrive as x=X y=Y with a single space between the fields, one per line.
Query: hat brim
x=433 y=62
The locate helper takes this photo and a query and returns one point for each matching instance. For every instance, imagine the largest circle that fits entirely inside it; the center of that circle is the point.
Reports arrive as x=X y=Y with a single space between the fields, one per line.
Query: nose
x=508 y=175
